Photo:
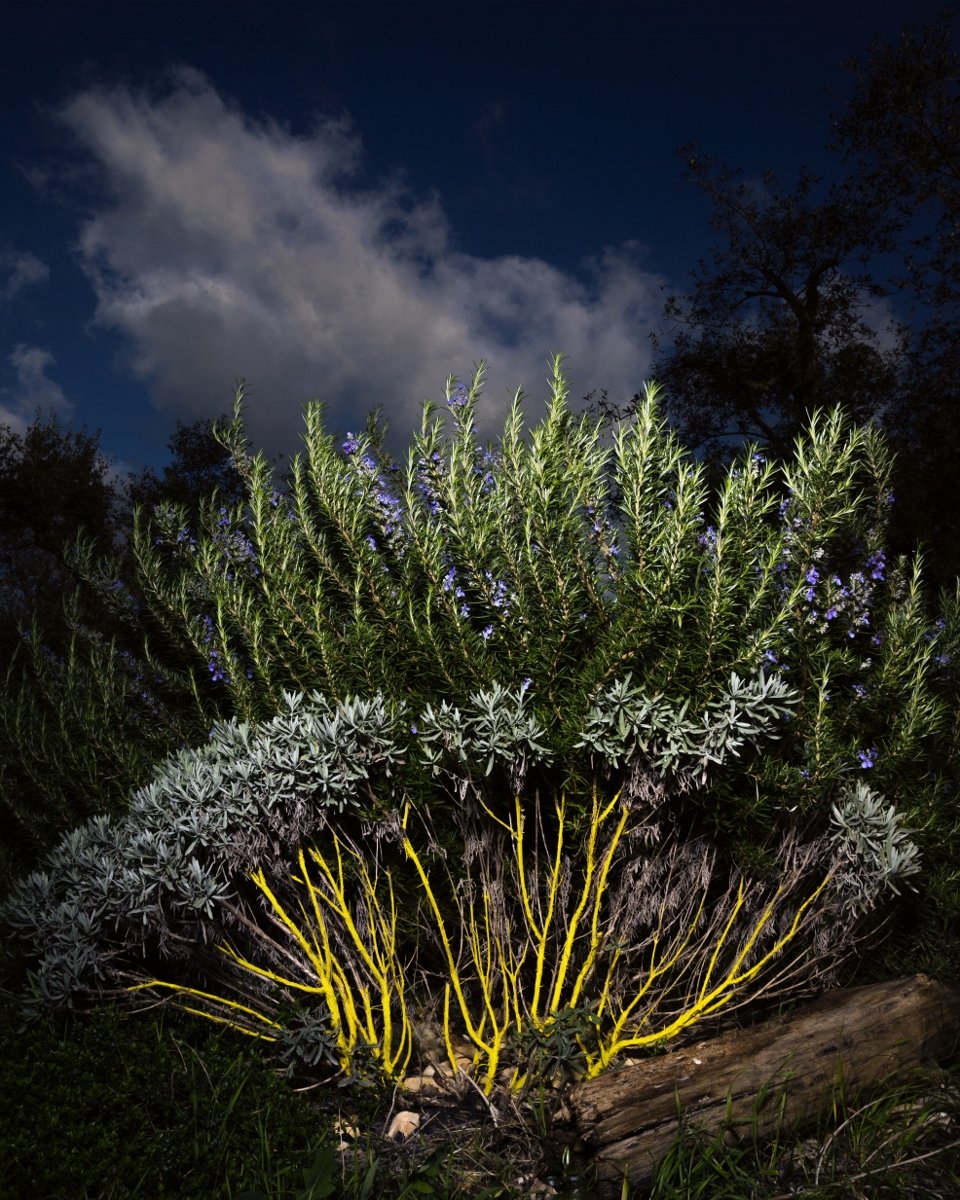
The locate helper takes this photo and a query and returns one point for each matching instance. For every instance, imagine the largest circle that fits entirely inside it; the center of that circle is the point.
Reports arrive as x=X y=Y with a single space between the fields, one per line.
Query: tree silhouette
x=54 y=484
x=775 y=325
x=840 y=293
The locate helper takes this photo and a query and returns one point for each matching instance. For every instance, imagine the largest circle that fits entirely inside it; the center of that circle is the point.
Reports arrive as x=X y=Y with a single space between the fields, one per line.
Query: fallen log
x=626 y=1120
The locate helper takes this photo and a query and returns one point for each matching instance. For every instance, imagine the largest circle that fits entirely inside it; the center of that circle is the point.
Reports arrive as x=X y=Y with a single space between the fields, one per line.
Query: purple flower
x=867 y=757
x=349 y=445
x=215 y=667
x=448 y=583
x=458 y=398
x=486 y=633
x=877 y=565
x=499 y=597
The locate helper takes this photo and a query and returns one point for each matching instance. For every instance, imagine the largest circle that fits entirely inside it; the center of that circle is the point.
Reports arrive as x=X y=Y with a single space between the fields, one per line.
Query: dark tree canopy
x=778 y=321
x=775 y=326
x=900 y=135
x=54 y=485
x=200 y=465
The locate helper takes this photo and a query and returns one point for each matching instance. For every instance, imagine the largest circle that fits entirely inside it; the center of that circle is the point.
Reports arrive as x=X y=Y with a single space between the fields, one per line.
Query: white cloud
x=228 y=246
x=21 y=271
x=32 y=389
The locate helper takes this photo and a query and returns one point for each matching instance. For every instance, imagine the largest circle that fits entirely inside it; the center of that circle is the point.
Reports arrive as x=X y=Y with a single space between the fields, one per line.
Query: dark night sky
x=354 y=201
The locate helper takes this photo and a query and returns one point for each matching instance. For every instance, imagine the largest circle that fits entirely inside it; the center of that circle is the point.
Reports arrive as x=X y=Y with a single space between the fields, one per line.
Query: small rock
x=402 y=1126
x=420 y=1083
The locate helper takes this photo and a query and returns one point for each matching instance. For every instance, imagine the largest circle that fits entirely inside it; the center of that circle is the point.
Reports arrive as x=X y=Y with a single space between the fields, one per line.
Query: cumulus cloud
x=32 y=389
x=230 y=246
x=21 y=270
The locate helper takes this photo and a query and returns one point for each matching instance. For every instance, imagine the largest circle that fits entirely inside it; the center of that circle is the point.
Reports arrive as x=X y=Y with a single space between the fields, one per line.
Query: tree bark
x=782 y=1072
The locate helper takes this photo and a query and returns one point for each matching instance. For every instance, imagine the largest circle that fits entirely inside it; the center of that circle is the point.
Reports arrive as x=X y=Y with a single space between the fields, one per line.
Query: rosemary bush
x=577 y=566
x=491 y=639
x=81 y=726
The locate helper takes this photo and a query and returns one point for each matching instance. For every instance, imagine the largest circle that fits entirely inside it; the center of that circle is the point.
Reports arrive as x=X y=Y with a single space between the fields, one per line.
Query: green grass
x=128 y=1105
x=117 y=1106
x=898 y=1144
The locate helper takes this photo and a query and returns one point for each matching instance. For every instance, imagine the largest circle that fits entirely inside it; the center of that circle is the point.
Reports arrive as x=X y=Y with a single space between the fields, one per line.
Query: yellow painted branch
x=553 y=885
x=339 y=1015
x=598 y=819
x=722 y=994
x=599 y=897
x=472 y=1030
x=260 y=880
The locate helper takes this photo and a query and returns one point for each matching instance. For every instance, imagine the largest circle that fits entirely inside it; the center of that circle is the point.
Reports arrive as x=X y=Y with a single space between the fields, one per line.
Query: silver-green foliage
x=878 y=848
x=625 y=725
x=170 y=874
x=166 y=872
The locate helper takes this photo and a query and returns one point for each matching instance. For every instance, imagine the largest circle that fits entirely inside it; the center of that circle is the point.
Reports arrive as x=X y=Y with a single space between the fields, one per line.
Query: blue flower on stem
x=877 y=565
x=867 y=757
x=708 y=540
x=448 y=583
x=215 y=667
